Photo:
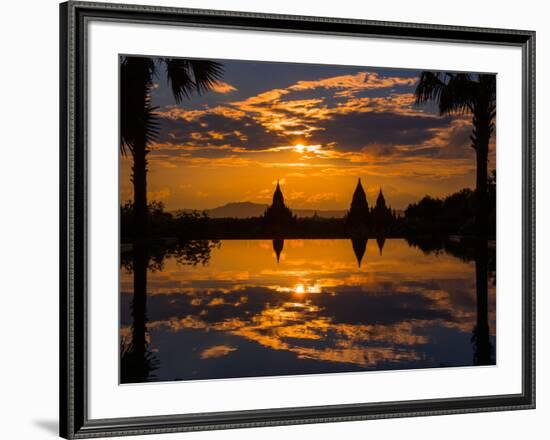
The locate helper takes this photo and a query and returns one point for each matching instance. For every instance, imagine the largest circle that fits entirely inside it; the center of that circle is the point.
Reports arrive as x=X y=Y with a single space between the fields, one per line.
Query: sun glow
x=301 y=289
x=301 y=148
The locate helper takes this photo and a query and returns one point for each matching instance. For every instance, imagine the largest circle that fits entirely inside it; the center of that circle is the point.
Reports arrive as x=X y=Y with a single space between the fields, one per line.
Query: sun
x=300 y=148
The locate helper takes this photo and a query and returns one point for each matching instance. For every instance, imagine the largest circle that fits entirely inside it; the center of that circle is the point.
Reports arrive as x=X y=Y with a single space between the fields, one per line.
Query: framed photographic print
x=272 y=219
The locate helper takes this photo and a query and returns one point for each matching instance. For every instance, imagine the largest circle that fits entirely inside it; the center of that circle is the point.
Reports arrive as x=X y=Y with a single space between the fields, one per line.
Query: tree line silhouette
x=435 y=217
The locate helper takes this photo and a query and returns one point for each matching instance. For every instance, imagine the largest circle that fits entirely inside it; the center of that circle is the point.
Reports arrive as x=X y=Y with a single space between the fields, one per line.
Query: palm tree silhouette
x=139 y=125
x=466 y=93
x=137 y=361
x=481 y=340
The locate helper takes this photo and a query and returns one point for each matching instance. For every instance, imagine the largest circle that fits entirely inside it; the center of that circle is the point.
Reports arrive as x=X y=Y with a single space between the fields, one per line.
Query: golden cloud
x=217 y=351
x=351 y=84
x=222 y=87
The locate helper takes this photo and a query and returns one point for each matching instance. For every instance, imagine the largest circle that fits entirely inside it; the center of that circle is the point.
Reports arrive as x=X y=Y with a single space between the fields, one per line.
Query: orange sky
x=315 y=128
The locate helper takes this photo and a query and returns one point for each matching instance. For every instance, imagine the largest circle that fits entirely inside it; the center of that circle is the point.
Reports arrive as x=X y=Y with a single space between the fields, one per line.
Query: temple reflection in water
x=275 y=307
x=278 y=245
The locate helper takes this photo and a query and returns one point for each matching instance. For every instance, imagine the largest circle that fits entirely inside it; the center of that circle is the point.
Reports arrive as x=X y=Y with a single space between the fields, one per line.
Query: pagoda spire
x=278 y=244
x=382 y=214
x=381 y=201
x=278 y=198
x=359 y=247
x=380 y=240
x=358 y=215
x=278 y=217
x=359 y=196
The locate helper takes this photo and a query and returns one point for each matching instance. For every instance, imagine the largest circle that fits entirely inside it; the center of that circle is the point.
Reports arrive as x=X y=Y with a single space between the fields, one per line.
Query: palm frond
x=137 y=119
x=179 y=78
x=489 y=85
x=458 y=95
x=452 y=92
x=430 y=87
x=187 y=76
x=151 y=124
x=206 y=74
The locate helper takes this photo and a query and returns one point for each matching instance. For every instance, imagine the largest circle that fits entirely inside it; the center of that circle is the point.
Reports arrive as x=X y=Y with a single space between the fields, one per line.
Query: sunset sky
x=316 y=128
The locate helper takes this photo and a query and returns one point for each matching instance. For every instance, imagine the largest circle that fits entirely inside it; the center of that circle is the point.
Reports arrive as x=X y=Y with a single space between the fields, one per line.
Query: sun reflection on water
x=317 y=305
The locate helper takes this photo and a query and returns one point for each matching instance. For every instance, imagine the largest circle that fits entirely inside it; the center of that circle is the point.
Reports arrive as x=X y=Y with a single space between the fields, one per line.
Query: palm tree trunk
x=139 y=179
x=480 y=142
x=138 y=367
x=481 y=336
x=481 y=193
x=136 y=361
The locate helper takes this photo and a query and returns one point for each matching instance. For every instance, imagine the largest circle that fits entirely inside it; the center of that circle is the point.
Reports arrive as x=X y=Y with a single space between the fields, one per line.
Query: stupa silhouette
x=358 y=216
x=278 y=217
x=359 y=247
x=380 y=240
x=278 y=244
x=381 y=215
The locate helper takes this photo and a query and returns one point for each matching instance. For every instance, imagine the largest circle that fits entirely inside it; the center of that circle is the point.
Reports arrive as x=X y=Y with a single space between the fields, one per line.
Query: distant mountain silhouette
x=251 y=209
x=238 y=210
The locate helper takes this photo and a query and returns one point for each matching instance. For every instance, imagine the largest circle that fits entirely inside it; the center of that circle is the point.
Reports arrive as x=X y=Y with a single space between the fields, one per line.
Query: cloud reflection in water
x=245 y=314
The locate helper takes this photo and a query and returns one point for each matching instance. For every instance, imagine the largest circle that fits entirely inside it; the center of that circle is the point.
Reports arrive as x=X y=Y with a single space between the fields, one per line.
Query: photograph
x=285 y=218
x=265 y=220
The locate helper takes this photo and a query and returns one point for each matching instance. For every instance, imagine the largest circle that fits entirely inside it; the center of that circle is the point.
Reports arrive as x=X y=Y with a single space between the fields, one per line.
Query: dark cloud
x=384 y=304
x=372 y=307
x=217 y=130
x=354 y=131
x=387 y=134
x=348 y=132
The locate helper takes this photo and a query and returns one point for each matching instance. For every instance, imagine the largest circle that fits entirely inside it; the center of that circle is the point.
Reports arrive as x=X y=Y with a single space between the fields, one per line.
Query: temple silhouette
x=359 y=223
x=278 y=217
x=278 y=244
x=381 y=215
x=358 y=216
x=359 y=247
x=360 y=220
x=380 y=241
x=277 y=221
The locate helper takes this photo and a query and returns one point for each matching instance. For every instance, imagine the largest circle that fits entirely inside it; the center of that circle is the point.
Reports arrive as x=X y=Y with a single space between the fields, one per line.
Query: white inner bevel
x=108 y=399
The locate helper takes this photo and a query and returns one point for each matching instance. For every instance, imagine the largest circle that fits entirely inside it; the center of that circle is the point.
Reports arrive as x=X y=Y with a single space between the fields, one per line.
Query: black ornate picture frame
x=74 y=240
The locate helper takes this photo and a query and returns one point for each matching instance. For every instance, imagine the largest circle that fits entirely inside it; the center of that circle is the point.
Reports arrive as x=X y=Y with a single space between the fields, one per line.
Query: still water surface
x=263 y=308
